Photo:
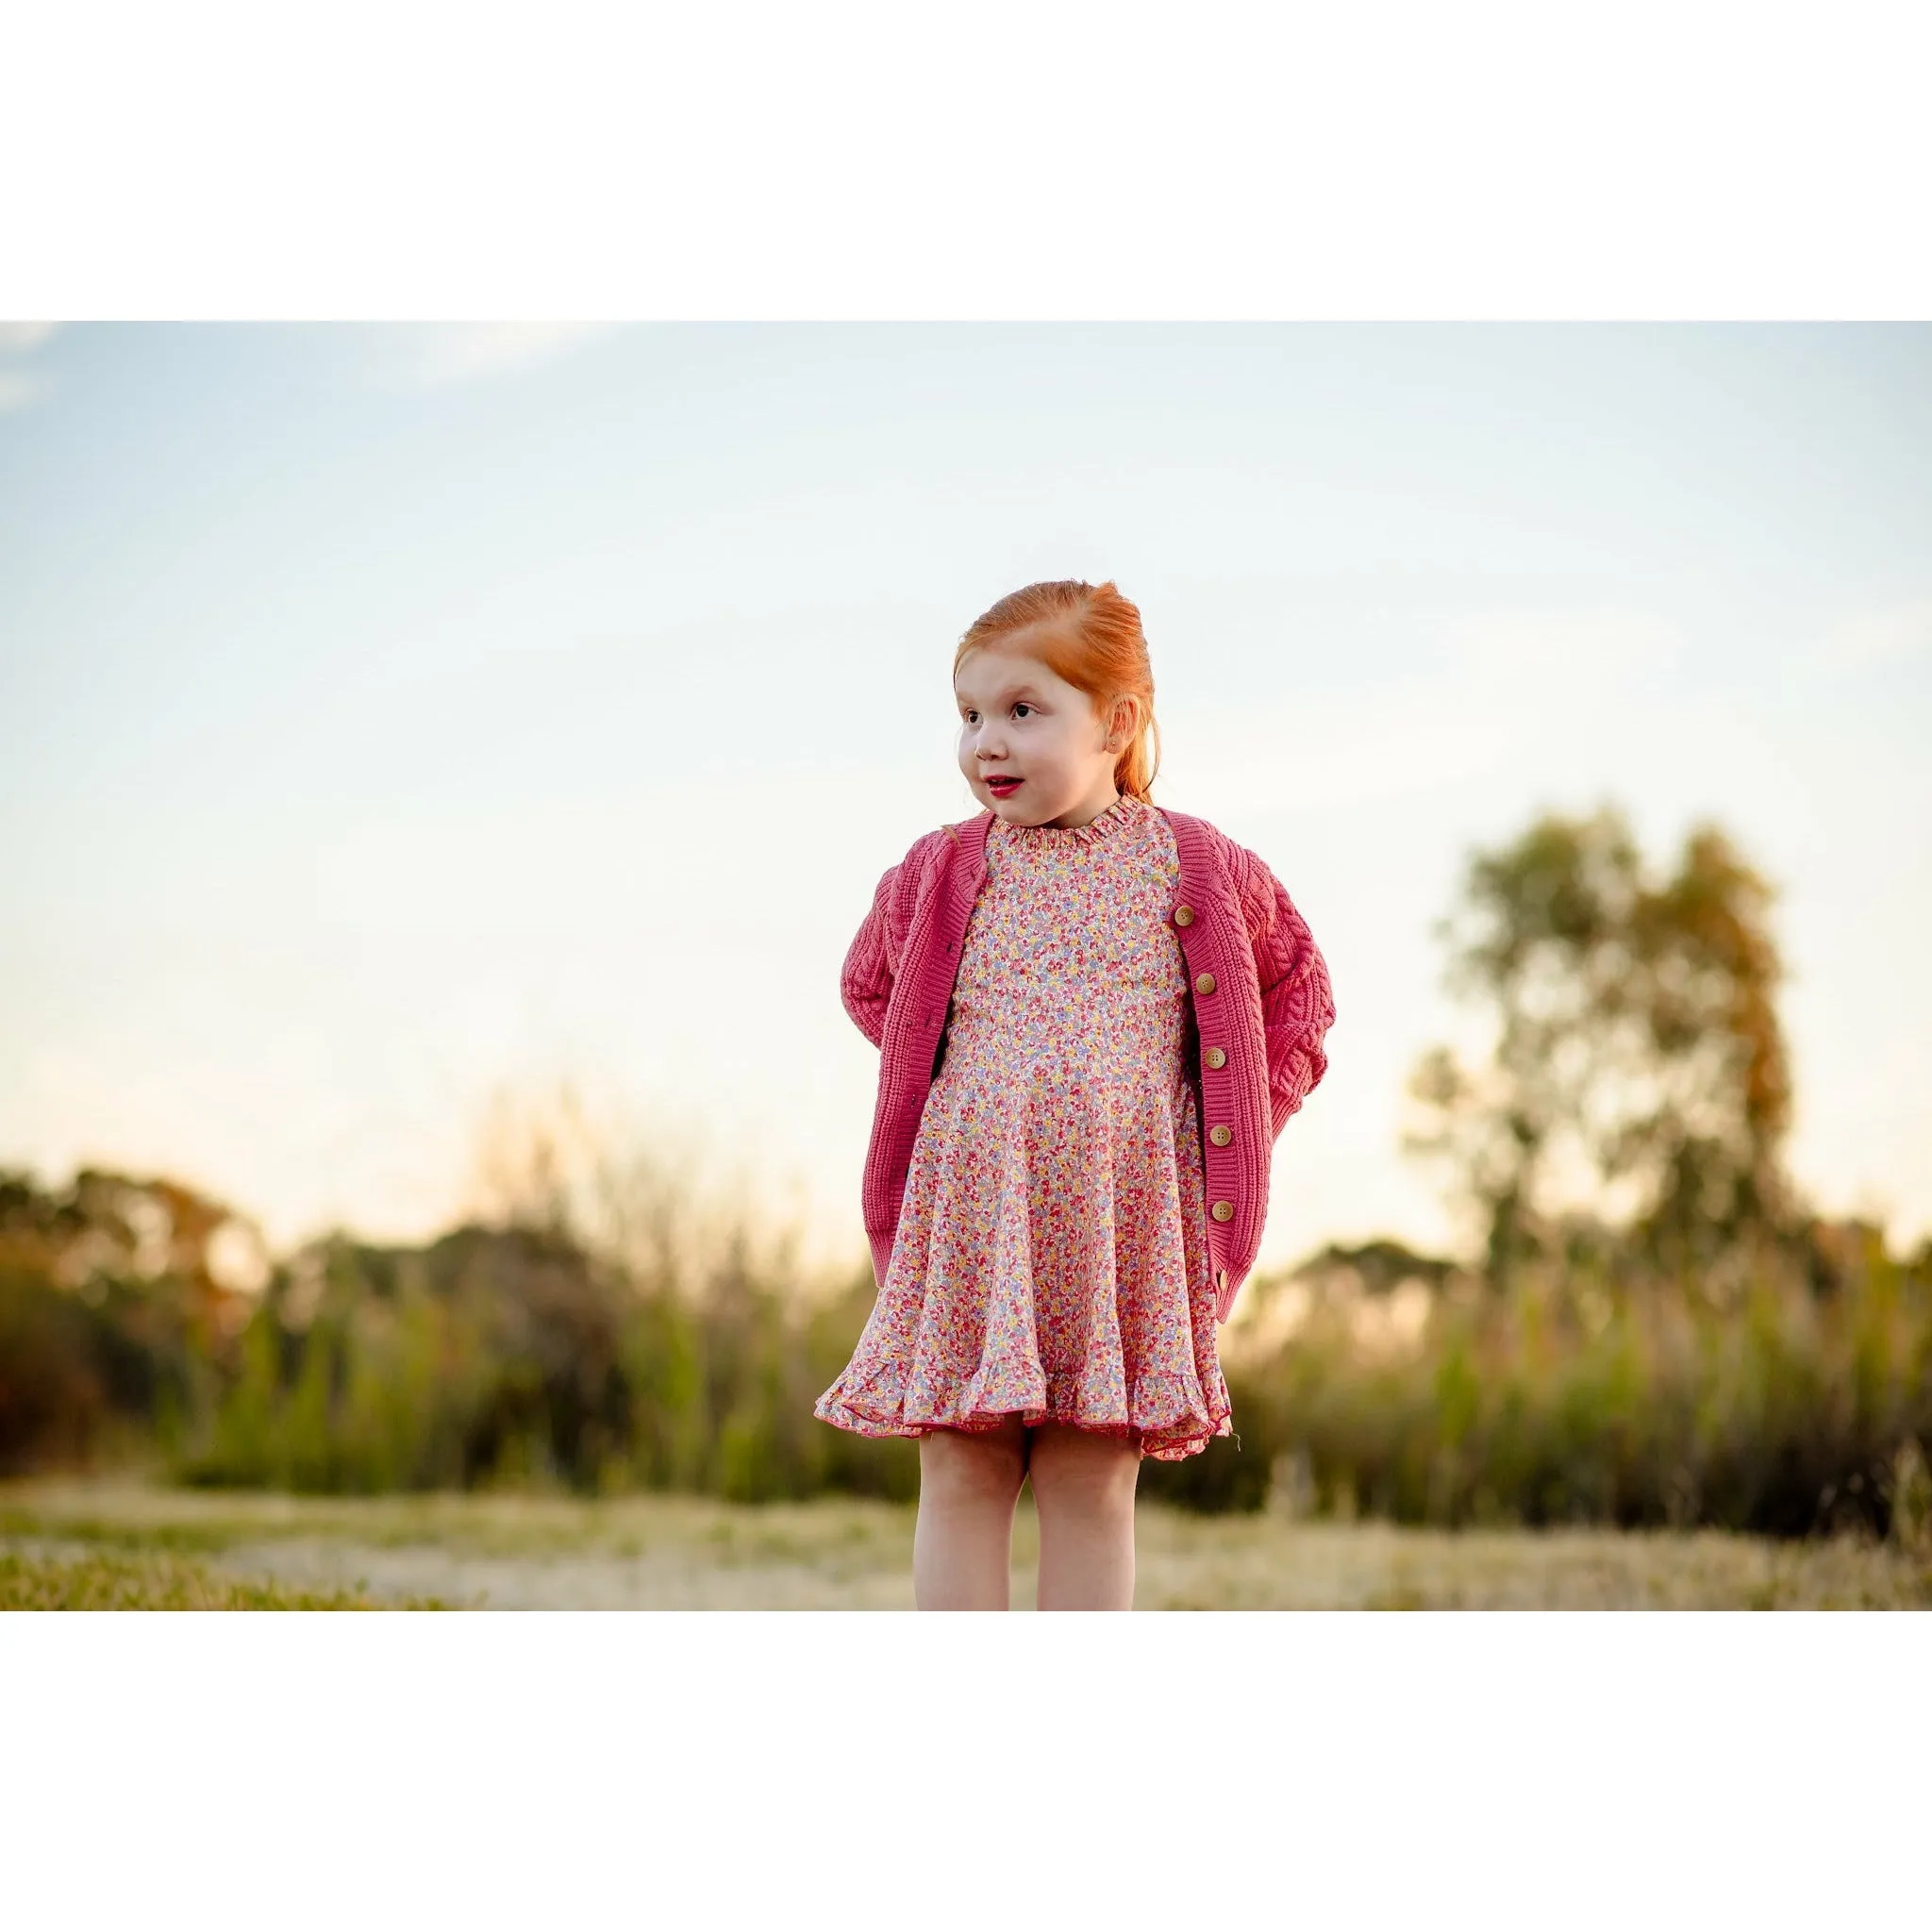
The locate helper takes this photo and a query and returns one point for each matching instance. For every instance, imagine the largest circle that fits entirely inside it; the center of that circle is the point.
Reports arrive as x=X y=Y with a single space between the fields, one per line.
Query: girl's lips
x=1003 y=787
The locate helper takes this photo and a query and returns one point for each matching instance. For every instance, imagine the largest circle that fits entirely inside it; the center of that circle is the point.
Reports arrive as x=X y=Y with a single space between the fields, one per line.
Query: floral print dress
x=1051 y=1259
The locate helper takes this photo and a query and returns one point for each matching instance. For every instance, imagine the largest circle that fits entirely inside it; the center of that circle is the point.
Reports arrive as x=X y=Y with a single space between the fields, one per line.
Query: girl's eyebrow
x=1012 y=694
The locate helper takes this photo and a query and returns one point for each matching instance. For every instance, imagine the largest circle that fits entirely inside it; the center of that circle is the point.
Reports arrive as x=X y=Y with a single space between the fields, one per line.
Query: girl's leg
x=1083 y=1488
x=962 y=1542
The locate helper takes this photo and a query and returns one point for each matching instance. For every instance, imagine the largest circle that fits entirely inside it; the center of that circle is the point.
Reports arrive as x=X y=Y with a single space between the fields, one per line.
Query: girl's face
x=1030 y=745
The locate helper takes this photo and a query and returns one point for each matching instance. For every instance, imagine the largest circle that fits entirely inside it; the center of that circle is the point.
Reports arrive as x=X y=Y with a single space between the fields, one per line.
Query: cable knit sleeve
x=872 y=961
x=865 y=982
x=1297 y=1003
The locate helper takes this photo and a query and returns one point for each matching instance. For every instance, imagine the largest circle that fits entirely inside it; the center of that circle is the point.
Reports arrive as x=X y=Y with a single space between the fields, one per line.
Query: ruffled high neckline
x=1099 y=826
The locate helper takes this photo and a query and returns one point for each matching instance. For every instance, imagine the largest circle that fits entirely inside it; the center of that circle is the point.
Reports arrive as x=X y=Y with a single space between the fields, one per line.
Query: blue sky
x=388 y=714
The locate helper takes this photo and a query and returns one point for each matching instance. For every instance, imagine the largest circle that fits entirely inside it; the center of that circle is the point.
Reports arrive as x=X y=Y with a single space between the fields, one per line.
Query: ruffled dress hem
x=866 y=1410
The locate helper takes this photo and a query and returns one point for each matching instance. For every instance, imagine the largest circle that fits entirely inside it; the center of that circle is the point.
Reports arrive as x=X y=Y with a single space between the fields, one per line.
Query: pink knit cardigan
x=1259 y=1002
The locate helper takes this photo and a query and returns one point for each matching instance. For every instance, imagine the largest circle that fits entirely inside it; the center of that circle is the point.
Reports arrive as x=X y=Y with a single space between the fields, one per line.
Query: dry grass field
x=119 y=1544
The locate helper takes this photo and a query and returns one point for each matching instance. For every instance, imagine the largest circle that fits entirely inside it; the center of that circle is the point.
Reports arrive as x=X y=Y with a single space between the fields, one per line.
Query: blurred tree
x=120 y=1297
x=1638 y=1059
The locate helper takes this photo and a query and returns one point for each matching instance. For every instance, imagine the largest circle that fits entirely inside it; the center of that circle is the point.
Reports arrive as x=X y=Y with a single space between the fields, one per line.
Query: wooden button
x=1223 y=1211
x=1220 y=1135
x=1220 y=1277
x=1205 y=984
x=1183 y=915
x=1215 y=1057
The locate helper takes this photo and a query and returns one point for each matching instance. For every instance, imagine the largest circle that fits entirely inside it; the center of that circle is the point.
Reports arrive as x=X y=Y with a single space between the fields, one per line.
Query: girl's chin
x=1015 y=810
x=1021 y=808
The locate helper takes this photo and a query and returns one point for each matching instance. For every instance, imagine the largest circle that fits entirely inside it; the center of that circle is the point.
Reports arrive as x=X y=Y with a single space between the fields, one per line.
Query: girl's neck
x=1087 y=810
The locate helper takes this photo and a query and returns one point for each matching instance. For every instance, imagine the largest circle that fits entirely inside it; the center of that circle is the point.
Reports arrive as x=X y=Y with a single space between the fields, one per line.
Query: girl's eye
x=1018 y=708
x=971 y=717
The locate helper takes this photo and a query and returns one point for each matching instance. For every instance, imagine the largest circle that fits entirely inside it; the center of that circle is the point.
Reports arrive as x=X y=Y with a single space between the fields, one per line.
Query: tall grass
x=1578 y=1398
x=511 y=1357
x=608 y=1330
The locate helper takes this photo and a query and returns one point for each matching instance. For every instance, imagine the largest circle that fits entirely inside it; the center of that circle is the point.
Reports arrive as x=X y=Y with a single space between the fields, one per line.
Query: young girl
x=1094 y=1018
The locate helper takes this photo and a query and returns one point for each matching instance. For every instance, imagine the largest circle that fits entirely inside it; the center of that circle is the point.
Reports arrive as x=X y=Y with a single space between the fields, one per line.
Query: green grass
x=95 y=1579
x=77 y=1543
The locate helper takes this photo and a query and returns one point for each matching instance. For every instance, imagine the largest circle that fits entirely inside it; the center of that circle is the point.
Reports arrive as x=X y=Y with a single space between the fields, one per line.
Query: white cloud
x=444 y=355
x=1431 y=735
x=1878 y=635
x=1573 y=643
x=20 y=385
x=21 y=338
x=1503 y=681
x=18 y=388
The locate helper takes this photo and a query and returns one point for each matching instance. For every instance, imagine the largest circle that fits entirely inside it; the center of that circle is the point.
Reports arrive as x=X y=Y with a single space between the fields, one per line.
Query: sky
x=395 y=717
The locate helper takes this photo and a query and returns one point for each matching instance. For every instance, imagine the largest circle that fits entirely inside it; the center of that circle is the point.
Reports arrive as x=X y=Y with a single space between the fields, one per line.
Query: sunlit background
x=392 y=716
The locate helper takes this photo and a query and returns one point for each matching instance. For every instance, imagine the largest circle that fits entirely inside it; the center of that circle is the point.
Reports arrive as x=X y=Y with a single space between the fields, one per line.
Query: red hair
x=1090 y=635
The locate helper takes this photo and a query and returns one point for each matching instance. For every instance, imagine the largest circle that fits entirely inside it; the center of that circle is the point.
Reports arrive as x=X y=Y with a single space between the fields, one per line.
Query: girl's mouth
x=1003 y=787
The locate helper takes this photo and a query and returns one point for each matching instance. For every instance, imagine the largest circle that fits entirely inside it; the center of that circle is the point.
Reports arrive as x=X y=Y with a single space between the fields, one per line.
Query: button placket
x=1213 y=1058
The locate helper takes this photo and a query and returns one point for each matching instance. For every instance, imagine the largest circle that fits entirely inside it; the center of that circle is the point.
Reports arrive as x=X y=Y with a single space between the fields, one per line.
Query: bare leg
x=962 y=1543
x=1083 y=1486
